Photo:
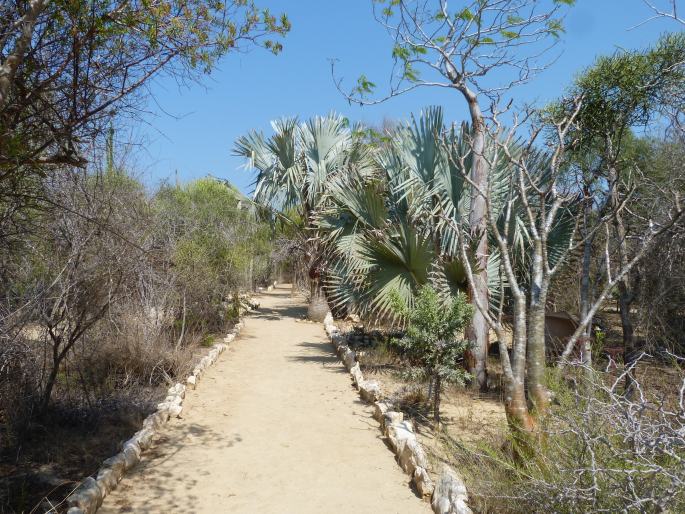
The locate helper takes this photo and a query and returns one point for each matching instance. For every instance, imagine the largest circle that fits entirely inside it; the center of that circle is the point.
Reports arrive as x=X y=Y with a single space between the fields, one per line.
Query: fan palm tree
x=387 y=229
x=394 y=230
x=294 y=166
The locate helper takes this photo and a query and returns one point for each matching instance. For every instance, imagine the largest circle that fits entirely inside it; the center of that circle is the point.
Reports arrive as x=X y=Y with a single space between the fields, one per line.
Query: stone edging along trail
x=449 y=495
x=89 y=495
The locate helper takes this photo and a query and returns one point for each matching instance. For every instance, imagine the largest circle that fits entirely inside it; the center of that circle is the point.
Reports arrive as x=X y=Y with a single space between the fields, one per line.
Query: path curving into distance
x=274 y=427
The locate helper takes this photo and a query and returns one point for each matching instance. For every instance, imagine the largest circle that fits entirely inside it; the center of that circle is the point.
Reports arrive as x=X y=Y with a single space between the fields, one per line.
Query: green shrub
x=432 y=341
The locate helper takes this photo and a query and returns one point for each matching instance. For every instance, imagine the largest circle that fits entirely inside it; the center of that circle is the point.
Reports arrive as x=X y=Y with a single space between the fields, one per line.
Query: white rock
x=356 y=373
x=156 y=420
x=131 y=457
x=175 y=411
x=450 y=494
x=144 y=438
x=107 y=479
x=423 y=482
x=328 y=320
x=348 y=359
x=164 y=406
x=412 y=456
x=337 y=340
x=370 y=390
x=229 y=338
x=117 y=464
x=177 y=389
x=173 y=400
x=391 y=417
x=88 y=496
x=380 y=408
x=399 y=434
x=132 y=445
x=192 y=381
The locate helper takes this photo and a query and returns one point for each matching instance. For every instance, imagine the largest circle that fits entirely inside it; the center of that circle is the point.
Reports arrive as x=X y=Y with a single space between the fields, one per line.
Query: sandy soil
x=274 y=426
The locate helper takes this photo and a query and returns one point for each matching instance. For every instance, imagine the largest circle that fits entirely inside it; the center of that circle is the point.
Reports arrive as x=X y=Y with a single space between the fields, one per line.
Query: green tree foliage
x=620 y=93
x=67 y=68
x=623 y=91
x=218 y=245
x=295 y=166
x=396 y=229
x=432 y=340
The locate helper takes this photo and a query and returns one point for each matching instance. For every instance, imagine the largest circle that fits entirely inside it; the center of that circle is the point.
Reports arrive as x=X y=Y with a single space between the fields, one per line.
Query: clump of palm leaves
x=384 y=217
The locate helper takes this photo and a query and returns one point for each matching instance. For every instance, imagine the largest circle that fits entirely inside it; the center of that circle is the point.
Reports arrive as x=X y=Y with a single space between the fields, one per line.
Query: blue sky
x=191 y=130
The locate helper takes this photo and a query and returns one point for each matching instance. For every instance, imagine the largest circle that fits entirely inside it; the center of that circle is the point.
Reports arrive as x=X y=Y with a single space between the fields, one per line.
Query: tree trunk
x=535 y=351
x=585 y=300
x=318 y=305
x=437 y=385
x=625 y=294
x=12 y=62
x=630 y=351
x=520 y=421
x=537 y=364
x=49 y=386
x=516 y=409
x=478 y=331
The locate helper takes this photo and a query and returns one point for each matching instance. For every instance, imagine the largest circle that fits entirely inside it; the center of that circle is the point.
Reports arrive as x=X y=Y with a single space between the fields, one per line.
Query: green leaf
x=400 y=52
x=465 y=14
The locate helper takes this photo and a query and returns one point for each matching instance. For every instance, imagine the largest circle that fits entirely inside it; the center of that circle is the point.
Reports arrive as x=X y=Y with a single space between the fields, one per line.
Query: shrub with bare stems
x=601 y=451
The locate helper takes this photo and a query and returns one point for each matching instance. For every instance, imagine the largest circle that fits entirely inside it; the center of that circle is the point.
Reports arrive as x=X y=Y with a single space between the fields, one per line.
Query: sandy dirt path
x=274 y=426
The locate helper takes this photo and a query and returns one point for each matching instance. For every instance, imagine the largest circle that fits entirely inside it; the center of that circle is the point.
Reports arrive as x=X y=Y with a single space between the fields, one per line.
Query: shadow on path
x=161 y=485
x=319 y=353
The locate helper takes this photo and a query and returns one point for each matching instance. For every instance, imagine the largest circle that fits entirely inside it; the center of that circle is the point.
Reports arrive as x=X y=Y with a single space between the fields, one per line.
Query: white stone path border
x=449 y=495
x=89 y=495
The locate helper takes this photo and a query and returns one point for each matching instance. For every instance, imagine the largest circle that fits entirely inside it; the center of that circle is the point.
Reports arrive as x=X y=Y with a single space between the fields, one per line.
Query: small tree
x=618 y=92
x=432 y=339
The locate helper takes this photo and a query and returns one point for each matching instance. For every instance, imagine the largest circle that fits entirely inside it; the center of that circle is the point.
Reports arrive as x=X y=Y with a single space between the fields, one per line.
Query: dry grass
x=106 y=387
x=471 y=422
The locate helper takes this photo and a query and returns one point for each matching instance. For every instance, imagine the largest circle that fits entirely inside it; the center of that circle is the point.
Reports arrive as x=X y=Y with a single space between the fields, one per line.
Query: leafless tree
x=670 y=12
x=611 y=453
x=83 y=271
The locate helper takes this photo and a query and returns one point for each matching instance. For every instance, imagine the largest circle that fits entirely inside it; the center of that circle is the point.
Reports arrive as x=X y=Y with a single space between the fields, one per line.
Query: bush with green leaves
x=218 y=243
x=433 y=341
